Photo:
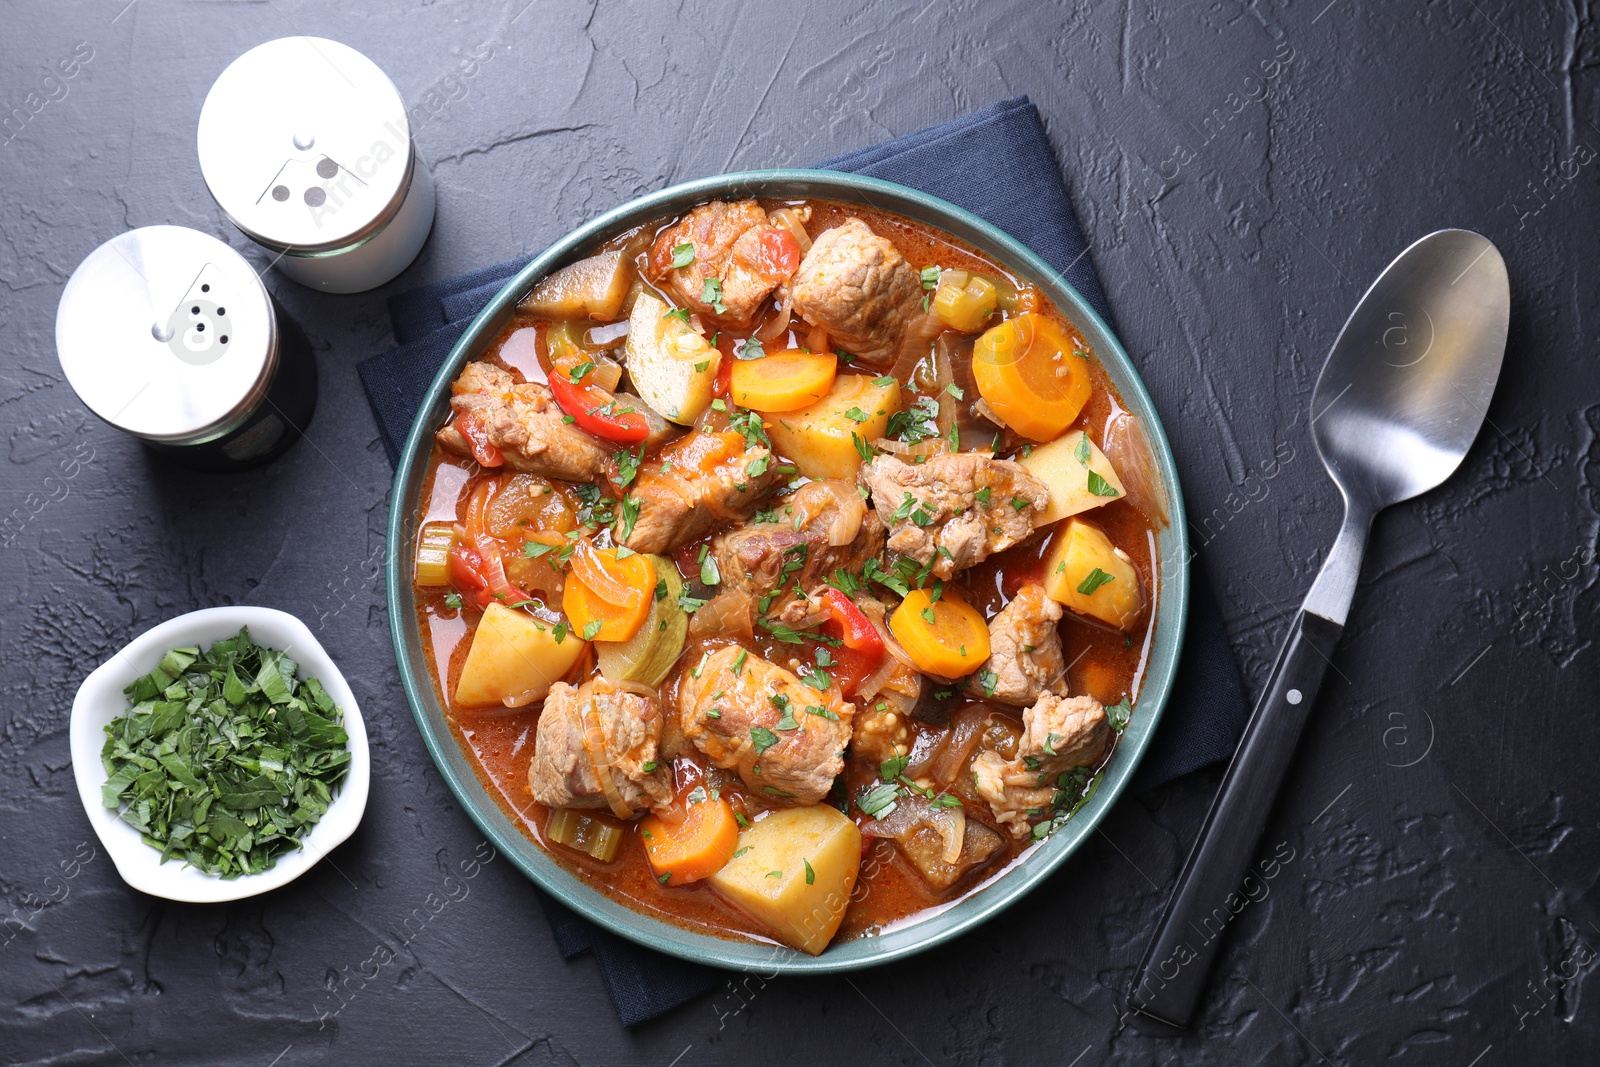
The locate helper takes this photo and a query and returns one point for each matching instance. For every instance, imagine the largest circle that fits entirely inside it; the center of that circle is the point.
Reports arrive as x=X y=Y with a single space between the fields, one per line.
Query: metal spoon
x=1398 y=404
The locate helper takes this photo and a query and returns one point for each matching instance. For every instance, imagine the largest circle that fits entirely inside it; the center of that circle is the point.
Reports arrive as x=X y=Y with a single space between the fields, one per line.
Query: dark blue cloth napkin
x=998 y=164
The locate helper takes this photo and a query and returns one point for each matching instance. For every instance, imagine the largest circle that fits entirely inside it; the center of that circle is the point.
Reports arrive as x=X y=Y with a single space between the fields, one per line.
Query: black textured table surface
x=1242 y=172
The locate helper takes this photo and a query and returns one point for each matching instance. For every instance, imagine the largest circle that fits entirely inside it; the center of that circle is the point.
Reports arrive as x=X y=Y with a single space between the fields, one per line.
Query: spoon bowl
x=1403 y=392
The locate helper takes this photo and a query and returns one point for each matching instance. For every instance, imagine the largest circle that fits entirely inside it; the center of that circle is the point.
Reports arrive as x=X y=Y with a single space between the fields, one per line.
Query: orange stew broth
x=1103 y=663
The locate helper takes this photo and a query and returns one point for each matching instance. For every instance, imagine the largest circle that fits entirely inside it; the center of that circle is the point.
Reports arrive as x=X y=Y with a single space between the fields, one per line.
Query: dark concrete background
x=1442 y=812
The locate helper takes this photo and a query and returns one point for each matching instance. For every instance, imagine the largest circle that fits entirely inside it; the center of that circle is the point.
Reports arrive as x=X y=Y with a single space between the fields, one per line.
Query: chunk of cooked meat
x=592 y=747
x=1025 y=658
x=1059 y=734
x=819 y=528
x=785 y=738
x=694 y=485
x=956 y=509
x=727 y=240
x=523 y=422
x=860 y=289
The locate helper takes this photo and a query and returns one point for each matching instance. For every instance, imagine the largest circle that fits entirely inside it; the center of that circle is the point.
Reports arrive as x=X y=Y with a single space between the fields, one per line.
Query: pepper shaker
x=305 y=145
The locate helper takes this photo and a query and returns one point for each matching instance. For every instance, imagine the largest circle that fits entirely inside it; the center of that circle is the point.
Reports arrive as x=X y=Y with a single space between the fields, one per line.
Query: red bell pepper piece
x=591 y=409
x=856 y=630
x=482 y=576
x=779 y=254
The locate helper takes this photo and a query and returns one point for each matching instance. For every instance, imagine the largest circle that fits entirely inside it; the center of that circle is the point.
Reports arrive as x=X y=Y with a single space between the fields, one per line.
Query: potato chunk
x=1090 y=575
x=514 y=657
x=672 y=366
x=794 y=870
x=1065 y=466
x=821 y=438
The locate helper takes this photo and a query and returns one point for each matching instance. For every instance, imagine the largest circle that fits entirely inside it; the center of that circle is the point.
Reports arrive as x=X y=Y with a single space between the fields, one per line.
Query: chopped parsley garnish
x=691 y=604
x=811 y=876
x=751 y=349
x=816 y=678
x=1020 y=504
x=628 y=464
x=1100 y=487
x=711 y=293
x=749 y=426
x=1094 y=580
x=560 y=632
x=788 y=721
x=884 y=381
x=856 y=415
x=452 y=600
x=917 y=423
x=1080 y=451
x=738 y=663
x=930 y=277
x=783 y=632
x=590 y=629
x=878 y=802
x=821 y=712
x=535 y=549
x=709 y=574
x=681 y=314
x=982 y=497
x=892 y=768
x=226 y=758
x=865 y=450
x=682 y=255
x=1118 y=714
x=581 y=371
x=650 y=766
x=845 y=582
x=988 y=679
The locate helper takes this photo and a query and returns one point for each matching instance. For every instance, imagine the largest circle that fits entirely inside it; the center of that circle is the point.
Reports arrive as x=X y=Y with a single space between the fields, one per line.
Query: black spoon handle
x=1173 y=975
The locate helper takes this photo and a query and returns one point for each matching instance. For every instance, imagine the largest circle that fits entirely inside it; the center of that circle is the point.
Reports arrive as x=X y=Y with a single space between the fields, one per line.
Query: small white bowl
x=100 y=699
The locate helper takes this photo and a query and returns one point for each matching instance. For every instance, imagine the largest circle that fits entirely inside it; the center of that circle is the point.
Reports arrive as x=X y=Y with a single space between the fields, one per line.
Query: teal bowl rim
x=900 y=939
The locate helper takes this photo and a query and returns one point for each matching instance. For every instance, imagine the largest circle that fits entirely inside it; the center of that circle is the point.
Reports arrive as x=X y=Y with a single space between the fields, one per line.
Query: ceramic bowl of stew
x=463 y=745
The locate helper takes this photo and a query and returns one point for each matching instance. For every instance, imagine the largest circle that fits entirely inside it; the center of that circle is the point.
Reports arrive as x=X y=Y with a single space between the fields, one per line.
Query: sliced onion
x=606 y=336
x=639 y=689
x=817 y=339
x=794 y=220
x=1129 y=451
x=594 y=744
x=730 y=613
x=590 y=569
x=776 y=325
x=606 y=374
x=952 y=826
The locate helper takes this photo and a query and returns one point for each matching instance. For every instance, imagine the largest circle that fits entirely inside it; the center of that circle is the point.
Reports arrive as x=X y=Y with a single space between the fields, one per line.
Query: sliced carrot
x=945 y=637
x=782 y=381
x=694 y=847
x=1032 y=374
x=618 y=607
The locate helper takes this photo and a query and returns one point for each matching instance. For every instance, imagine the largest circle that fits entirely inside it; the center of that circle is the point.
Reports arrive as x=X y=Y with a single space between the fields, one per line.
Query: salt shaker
x=305 y=145
x=168 y=334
